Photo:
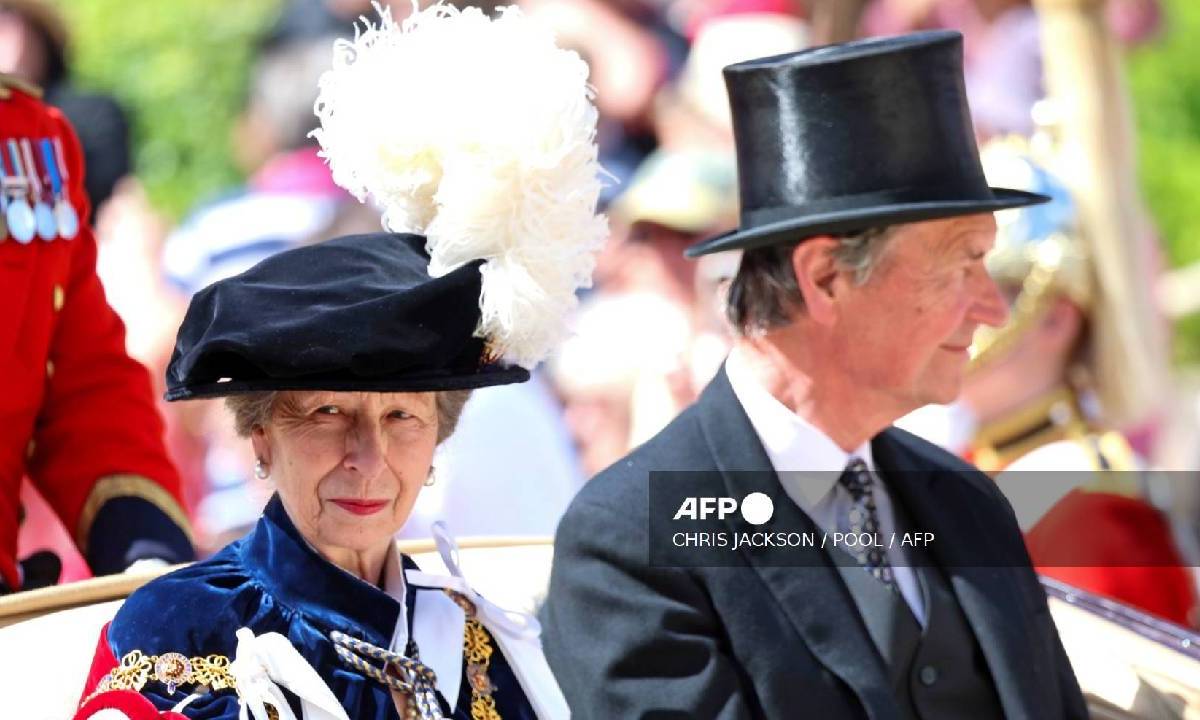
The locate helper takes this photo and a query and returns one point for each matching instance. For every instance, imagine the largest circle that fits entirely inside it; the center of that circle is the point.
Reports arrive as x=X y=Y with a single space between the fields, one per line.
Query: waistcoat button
x=928 y=675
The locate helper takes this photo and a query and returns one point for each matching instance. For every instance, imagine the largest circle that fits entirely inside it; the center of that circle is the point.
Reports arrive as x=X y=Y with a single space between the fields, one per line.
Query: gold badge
x=172 y=670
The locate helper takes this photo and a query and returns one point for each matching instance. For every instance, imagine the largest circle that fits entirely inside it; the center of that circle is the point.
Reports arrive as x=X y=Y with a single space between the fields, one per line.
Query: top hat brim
x=847 y=220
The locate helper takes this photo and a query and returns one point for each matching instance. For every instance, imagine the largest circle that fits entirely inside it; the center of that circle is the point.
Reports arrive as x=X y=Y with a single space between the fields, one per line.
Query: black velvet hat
x=355 y=313
x=840 y=138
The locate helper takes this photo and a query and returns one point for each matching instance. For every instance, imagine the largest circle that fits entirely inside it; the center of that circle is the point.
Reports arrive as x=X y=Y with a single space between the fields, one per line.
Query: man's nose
x=991 y=307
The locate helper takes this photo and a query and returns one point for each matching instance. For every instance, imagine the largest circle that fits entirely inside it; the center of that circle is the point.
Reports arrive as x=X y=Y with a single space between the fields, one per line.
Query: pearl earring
x=431 y=478
x=260 y=470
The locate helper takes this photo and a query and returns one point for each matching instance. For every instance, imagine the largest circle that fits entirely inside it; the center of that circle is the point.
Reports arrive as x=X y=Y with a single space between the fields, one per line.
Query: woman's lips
x=360 y=507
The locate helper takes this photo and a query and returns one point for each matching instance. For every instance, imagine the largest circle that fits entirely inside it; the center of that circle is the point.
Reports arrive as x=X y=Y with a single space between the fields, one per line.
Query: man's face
x=903 y=335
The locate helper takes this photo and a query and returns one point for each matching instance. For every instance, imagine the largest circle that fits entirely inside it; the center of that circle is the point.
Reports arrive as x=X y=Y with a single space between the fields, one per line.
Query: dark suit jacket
x=626 y=640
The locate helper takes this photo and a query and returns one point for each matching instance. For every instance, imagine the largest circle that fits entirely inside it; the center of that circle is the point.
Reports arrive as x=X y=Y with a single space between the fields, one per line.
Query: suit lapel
x=938 y=500
x=812 y=595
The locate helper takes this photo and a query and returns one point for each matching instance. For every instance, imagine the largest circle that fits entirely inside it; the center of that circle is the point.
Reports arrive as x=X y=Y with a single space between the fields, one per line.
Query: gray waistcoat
x=938 y=674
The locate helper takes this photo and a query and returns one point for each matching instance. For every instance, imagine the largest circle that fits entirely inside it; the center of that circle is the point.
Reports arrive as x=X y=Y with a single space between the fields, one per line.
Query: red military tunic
x=1101 y=536
x=77 y=414
x=1117 y=546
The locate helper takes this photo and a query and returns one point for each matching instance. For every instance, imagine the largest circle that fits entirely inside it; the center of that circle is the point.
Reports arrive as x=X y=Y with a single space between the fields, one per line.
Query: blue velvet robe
x=273 y=581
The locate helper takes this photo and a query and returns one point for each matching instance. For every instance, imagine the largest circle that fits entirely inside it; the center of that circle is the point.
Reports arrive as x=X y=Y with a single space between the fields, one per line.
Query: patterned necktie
x=864 y=518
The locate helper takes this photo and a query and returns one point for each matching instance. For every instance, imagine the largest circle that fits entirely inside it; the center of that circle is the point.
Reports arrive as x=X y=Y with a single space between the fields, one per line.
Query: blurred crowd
x=649 y=334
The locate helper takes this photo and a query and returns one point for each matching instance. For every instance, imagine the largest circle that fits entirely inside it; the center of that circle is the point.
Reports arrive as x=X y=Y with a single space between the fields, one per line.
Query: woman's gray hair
x=255 y=409
x=764 y=294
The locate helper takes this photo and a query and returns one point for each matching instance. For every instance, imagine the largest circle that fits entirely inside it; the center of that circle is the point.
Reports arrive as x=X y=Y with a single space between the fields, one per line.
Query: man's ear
x=816 y=270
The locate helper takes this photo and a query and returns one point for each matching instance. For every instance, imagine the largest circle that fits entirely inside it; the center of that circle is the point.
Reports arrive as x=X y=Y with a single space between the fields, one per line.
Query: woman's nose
x=364 y=451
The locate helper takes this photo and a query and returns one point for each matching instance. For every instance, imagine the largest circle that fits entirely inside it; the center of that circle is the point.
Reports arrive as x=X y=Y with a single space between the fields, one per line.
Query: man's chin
x=943 y=393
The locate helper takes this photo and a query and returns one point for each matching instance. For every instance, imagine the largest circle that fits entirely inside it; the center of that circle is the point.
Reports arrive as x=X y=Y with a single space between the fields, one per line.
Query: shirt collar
x=438 y=624
x=791 y=442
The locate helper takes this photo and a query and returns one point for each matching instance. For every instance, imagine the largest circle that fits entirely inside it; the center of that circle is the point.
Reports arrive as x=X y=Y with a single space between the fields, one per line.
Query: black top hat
x=355 y=313
x=840 y=138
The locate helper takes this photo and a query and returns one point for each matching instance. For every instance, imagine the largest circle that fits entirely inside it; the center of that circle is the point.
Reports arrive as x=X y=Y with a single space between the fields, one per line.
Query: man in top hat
x=865 y=218
x=77 y=415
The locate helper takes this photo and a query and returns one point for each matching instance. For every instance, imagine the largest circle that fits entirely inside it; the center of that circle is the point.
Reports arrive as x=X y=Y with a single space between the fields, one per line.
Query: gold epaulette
x=8 y=83
x=1054 y=418
x=1050 y=418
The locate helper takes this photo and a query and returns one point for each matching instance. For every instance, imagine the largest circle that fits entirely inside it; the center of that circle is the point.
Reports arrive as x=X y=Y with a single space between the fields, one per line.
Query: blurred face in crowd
x=600 y=425
x=349 y=465
x=22 y=51
x=1036 y=362
x=899 y=340
x=666 y=245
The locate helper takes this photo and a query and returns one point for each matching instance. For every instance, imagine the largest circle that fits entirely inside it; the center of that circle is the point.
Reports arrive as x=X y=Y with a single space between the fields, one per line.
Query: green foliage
x=180 y=68
x=1165 y=83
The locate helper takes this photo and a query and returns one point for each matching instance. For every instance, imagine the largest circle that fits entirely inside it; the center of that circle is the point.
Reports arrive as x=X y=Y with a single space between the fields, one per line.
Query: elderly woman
x=345 y=365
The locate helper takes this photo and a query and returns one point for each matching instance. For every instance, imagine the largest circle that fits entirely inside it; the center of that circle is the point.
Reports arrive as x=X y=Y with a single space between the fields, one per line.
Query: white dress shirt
x=808 y=464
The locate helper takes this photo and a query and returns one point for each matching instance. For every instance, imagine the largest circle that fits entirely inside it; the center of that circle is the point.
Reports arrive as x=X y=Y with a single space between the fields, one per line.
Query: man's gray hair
x=764 y=294
x=255 y=409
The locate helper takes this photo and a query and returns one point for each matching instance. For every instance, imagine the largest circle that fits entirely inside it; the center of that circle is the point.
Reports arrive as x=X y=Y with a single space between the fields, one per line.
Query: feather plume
x=479 y=133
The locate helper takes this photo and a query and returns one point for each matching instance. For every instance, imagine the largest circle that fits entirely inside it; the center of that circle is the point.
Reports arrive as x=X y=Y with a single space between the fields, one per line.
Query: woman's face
x=349 y=465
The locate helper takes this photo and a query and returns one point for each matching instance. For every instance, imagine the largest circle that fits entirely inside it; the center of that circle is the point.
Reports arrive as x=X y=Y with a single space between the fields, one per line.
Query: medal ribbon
x=34 y=177
x=14 y=155
x=56 y=184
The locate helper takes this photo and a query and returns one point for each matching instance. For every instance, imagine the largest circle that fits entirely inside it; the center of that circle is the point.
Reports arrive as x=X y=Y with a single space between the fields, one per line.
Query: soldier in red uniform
x=1049 y=396
x=77 y=415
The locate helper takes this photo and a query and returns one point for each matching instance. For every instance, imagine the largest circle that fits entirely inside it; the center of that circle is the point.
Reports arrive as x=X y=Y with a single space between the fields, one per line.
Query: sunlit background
x=195 y=114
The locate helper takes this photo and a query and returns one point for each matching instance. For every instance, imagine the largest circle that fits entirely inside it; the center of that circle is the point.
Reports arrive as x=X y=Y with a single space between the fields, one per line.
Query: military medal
x=64 y=211
x=18 y=214
x=47 y=227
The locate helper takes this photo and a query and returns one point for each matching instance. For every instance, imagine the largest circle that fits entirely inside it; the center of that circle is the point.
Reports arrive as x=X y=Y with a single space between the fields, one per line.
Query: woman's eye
x=328 y=410
x=399 y=415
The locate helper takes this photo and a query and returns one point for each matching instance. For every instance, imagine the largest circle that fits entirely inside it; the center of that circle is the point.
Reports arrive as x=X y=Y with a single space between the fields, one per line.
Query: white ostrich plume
x=478 y=133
